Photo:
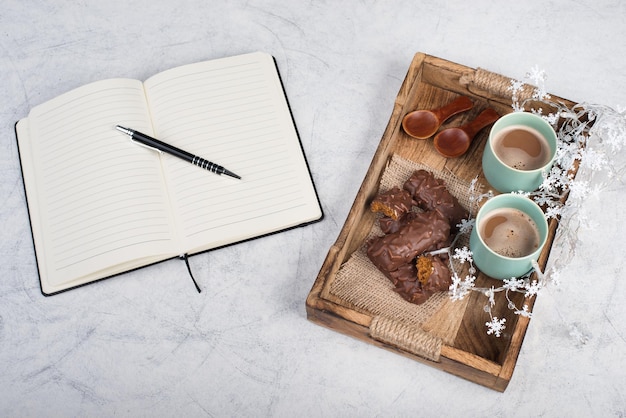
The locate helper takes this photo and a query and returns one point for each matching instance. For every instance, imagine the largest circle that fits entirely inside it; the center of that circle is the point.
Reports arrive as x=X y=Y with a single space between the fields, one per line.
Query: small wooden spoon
x=422 y=124
x=454 y=142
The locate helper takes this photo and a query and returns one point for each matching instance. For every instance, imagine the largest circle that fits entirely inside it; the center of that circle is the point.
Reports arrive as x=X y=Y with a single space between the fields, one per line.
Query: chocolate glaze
x=433 y=273
x=389 y=226
x=416 y=282
x=405 y=272
x=423 y=233
x=431 y=194
x=400 y=253
x=394 y=203
x=413 y=291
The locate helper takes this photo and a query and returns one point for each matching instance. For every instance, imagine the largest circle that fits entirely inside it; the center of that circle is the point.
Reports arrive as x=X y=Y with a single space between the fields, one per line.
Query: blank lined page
x=100 y=200
x=232 y=112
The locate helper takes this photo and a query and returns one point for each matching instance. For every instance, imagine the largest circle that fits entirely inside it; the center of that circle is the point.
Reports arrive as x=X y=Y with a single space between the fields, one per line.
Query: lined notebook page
x=232 y=112
x=99 y=199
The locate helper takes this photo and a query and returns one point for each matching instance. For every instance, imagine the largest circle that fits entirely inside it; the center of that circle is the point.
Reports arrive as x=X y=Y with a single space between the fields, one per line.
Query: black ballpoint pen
x=157 y=145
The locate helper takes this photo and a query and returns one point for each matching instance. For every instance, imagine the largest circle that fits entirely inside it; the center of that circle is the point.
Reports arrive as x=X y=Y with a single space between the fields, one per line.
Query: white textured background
x=146 y=344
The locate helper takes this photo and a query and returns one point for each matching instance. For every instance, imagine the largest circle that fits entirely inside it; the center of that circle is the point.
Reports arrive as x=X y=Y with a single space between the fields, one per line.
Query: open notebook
x=101 y=205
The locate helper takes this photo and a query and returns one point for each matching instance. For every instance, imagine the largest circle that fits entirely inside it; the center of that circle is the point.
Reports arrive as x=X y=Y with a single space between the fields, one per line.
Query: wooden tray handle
x=492 y=85
x=405 y=337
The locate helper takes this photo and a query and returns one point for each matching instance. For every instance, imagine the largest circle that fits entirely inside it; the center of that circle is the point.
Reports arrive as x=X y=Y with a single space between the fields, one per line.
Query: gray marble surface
x=146 y=344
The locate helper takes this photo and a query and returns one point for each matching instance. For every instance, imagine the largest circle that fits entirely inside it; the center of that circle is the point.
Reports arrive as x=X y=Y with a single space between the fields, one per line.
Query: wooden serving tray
x=472 y=354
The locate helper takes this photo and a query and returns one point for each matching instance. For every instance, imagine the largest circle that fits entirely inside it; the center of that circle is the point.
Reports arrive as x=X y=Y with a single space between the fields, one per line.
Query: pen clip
x=141 y=144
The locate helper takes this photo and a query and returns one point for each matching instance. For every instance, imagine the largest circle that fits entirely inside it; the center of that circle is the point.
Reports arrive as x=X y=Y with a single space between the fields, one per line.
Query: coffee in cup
x=521 y=148
x=509 y=234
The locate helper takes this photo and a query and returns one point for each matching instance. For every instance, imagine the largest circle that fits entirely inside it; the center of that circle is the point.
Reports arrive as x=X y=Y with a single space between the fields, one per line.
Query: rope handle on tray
x=481 y=80
x=406 y=337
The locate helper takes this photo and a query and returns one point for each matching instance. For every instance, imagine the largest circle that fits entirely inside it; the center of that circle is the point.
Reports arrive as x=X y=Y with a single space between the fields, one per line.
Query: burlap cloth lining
x=418 y=329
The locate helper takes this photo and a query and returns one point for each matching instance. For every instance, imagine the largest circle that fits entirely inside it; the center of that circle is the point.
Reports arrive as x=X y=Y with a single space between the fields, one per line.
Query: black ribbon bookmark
x=184 y=257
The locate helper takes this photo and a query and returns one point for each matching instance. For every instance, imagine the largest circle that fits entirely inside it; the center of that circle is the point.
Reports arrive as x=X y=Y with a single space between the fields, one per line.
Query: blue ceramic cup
x=509 y=233
x=520 y=149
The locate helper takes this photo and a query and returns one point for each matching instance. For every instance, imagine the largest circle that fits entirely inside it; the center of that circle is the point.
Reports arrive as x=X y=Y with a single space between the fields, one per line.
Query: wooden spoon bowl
x=454 y=142
x=422 y=124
